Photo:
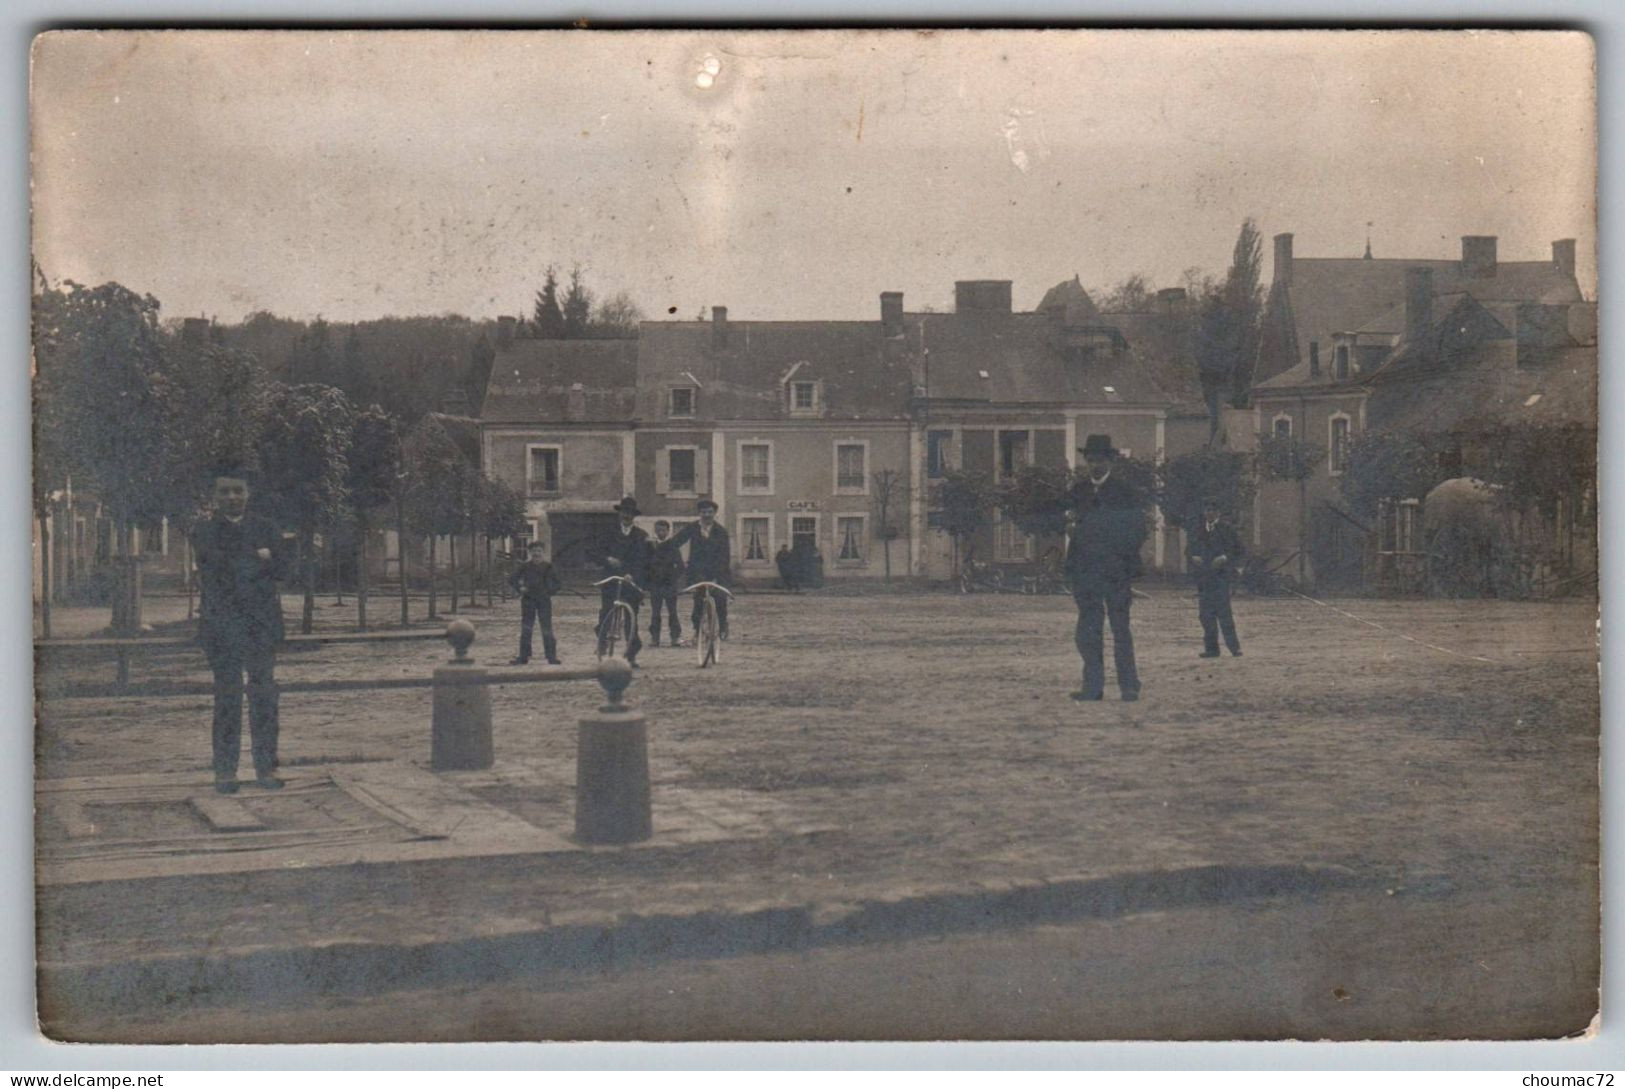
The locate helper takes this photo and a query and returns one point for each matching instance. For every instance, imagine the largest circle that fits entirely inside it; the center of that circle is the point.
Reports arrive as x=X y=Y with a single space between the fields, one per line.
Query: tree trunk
x=45 y=573
x=307 y=550
x=490 y=574
x=400 y=555
x=434 y=554
x=126 y=582
x=360 y=574
x=451 y=543
x=338 y=567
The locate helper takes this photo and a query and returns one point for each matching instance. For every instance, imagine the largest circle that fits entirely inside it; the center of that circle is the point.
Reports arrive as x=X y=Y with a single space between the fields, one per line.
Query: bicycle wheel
x=609 y=633
x=707 y=645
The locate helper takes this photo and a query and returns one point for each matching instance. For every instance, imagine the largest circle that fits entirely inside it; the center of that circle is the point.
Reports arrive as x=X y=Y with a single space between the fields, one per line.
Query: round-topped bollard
x=460 y=733
x=612 y=766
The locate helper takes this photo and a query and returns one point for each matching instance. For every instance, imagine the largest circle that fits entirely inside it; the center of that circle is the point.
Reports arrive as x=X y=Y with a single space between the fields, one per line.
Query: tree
x=616 y=316
x=577 y=306
x=1290 y=458
x=548 y=316
x=373 y=474
x=1035 y=499
x=304 y=469
x=437 y=482
x=502 y=514
x=1132 y=295
x=1390 y=465
x=481 y=358
x=888 y=491
x=964 y=501
x=1227 y=329
x=1186 y=481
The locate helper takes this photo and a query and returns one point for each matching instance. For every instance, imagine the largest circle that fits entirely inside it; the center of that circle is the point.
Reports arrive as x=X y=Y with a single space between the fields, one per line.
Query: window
x=849 y=532
x=681 y=469
x=1339 y=443
x=937 y=444
x=804 y=533
x=680 y=401
x=851 y=467
x=804 y=397
x=543 y=474
x=1013 y=452
x=1342 y=364
x=1010 y=544
x=755 y=467
x=756 y=533
x=1281 y=426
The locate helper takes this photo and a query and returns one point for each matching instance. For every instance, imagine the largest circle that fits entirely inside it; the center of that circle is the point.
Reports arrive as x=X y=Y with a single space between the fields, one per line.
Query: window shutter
x=663 y=470
x=702 y=471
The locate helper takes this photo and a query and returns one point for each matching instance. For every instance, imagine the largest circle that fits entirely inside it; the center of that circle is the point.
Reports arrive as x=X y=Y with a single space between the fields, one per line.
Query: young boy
x=536 y=582
x=665 y=579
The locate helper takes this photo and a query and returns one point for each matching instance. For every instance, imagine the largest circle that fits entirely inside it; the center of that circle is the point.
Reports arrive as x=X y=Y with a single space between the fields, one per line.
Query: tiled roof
x=533 y=379
x=863 y=375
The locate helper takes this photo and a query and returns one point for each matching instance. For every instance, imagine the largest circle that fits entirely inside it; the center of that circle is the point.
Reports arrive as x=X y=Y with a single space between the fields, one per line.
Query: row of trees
x=145 y=416
x=578 y=314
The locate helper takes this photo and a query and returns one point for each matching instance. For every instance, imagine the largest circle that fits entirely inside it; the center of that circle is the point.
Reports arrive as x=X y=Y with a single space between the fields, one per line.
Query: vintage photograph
x=752 y=535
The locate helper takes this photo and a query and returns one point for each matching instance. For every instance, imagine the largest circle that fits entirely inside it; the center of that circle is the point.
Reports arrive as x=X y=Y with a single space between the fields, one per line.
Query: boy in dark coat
x=709 y=560
x=626 y=552
x=535 y=581
x=1102 y=558
x=239 y=560
x=665 y=579
x=1215 y=553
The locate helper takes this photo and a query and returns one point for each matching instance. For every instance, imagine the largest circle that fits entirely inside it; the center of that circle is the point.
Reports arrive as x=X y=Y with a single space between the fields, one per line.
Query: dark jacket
x=1204 y=545
x=240 y=610
x=633 y=551
x=535 y=579
x=710 y=559
x=1109 y=529
x=665 y=565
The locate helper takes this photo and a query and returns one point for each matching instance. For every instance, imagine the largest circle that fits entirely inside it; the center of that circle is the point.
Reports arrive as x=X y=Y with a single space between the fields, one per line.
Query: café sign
x=801 y=504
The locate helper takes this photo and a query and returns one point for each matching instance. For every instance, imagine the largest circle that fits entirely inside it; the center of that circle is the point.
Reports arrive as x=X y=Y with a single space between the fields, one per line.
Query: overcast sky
x=361 y=174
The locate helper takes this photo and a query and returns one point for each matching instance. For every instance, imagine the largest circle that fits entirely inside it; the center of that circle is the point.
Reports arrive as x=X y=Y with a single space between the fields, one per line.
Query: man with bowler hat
x=239 y=560
x=709 y=560
x=1215 y=552
x=1103 y=556
x=626 y=552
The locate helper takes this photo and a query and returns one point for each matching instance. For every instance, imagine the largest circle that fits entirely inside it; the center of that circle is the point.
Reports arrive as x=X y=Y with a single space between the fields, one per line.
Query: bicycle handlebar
x=708 y=586
x=620 y=578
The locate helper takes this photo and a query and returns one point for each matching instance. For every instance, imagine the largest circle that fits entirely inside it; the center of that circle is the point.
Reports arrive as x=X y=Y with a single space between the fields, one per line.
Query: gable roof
x=1488 y=389
x=533 y=379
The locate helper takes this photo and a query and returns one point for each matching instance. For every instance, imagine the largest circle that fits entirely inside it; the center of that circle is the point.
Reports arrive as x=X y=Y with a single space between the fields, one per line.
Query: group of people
x=1103 y=558
x=240 y=558
x=655 y=567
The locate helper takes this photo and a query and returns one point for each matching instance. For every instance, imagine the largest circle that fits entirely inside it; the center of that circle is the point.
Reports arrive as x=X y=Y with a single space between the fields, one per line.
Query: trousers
x=664 y=597
x=606 y=605
x=1100 y=600
x=534 y=611
x=229 y=665
x=1213 y=608
x=722 y=611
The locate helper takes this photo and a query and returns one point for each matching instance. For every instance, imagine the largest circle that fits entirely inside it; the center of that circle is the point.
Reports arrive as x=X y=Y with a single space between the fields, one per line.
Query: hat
x=704 y=503
x=627 y=506
x=1098 y=446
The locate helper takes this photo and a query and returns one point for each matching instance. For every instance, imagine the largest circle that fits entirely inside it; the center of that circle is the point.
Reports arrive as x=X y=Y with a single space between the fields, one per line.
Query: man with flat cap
x=239 y=559
x=625 y=551
x=1102 y=559
x=1215 y=553
x=709 y=560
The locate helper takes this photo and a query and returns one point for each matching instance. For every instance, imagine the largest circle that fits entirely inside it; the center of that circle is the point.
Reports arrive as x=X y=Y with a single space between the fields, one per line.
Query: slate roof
x=531 y=380
x=865 y=376
x=1488 y=389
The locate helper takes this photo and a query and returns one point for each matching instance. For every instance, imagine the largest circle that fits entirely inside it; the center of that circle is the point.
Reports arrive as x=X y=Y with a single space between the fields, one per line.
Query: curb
x=600 y=941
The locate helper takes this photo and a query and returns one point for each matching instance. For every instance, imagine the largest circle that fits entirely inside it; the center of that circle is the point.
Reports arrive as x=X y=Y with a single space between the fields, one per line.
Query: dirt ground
x=936 y=732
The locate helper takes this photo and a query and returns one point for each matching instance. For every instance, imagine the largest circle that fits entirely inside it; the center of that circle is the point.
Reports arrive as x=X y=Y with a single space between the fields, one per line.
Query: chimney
x=984 y=296
x=506 y=328
x=1477 y=256
x=719 y=327
x=1170 y=299
x=1419 y=301
x=195 y=331
x=1314 y=359
x=1563 y=256
x=1282 y=272
x=891 y=314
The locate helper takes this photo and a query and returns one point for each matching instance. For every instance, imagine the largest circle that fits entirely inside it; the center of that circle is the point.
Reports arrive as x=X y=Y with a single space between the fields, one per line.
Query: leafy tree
x=481 y=359
x=304 y=468
x=1035 y=498
x=577 y=306
x=1227 y=329
x=616 y=316
x=1289 y=458
x=1189 y=479
x=437 y=490
x=548 y=316
x=372 y=476
x=1391 y=465
x=888 y=492
x=502 y=514
x=1131 y=295
x=964 y=502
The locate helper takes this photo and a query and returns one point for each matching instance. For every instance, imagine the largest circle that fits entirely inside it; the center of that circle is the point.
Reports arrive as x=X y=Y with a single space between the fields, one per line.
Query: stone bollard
x=461 y=730
x=612 y=766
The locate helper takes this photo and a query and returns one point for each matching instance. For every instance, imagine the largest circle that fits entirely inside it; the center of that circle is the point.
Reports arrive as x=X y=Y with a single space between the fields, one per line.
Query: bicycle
x=708 y=639
x=975 y=575
x=620 y=623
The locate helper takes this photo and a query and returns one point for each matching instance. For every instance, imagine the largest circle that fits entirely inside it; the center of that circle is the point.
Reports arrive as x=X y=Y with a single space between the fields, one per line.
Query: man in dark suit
x=665 y=579
x=709 y=560
x=1103 y=556
x=239 y=559
x=536 y=582
x=1215 y=553
x=626 y=552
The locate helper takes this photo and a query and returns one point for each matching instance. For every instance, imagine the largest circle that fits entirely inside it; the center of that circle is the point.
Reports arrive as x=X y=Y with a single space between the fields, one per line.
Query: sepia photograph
x=814 y=535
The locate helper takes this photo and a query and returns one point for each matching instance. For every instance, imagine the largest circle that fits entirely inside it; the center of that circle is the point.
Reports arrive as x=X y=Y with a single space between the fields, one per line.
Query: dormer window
x=680 y=402
x=803 y=398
